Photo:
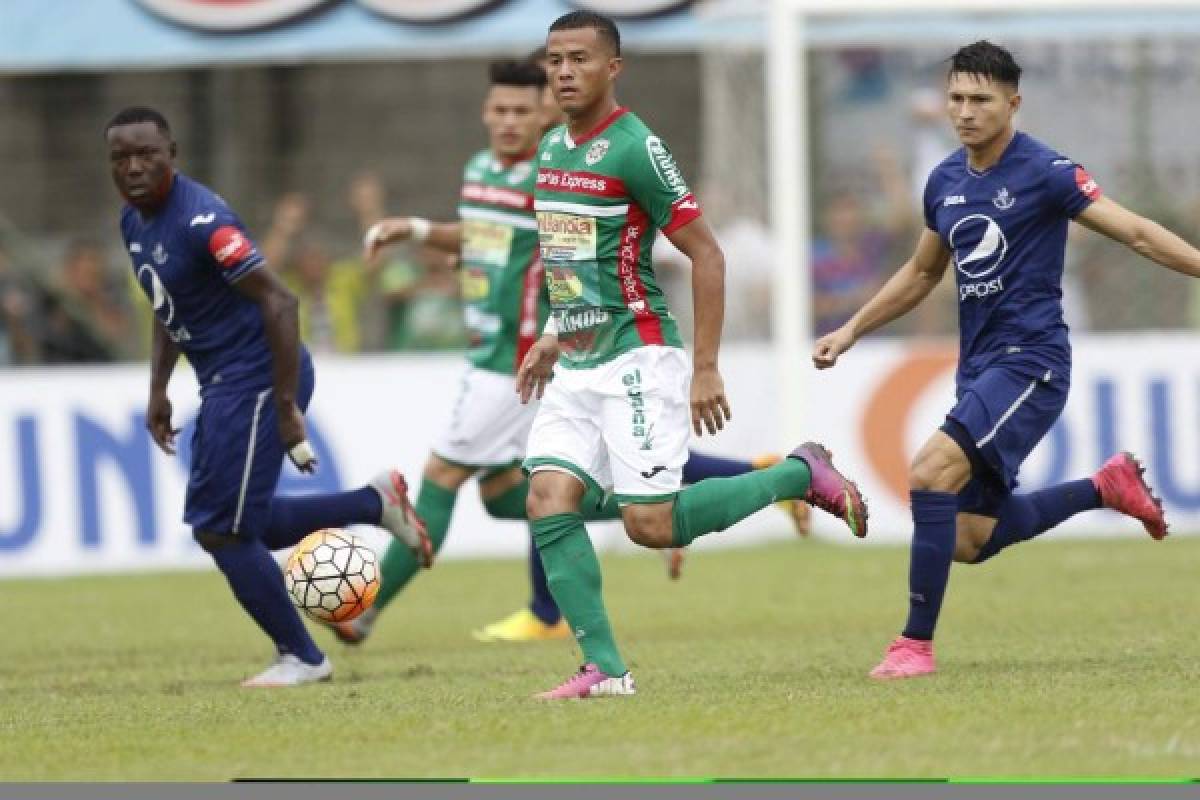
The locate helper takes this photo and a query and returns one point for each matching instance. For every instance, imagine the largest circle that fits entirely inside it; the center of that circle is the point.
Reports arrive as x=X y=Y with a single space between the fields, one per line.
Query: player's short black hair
x=510 y=72
x=986 y=60
x=135 y=114
x=605 y=27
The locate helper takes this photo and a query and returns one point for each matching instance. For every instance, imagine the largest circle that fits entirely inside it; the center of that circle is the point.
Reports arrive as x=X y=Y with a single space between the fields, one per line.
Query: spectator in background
x=84 y=318
x=749 y=269
x=331 y=294
x=420 y=290
x=17 y=342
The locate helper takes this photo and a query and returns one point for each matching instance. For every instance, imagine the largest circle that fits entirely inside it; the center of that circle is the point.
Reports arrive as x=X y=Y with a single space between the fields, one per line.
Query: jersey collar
x=983 y=173
x=500 y=164
x=596 y=131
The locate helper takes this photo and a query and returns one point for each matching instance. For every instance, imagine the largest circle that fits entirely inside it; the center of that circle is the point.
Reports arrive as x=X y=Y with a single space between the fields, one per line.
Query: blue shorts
x=237 y=456
x=1001 y=415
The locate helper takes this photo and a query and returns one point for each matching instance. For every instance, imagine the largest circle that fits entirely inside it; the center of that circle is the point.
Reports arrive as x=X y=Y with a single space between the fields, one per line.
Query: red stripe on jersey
x=604 y=123
x=497 y=196
x=229 y=246
x=683 y=211
x=1087 y=184
x=527 y=322
x=649 y=327
x=589 y=183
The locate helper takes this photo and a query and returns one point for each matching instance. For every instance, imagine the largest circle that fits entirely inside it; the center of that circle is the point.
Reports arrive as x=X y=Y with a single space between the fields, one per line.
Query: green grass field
x=1057 y=659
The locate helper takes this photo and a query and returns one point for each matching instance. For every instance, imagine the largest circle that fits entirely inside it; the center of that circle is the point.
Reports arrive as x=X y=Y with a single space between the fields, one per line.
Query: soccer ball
x=332 y=575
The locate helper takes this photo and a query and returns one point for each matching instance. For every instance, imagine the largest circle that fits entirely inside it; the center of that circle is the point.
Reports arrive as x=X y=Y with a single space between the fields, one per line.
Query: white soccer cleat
x=400 y=518
x=288 y=670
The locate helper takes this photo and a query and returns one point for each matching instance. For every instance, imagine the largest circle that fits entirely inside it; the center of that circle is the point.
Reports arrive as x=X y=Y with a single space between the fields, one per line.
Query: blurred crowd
x=88 y=308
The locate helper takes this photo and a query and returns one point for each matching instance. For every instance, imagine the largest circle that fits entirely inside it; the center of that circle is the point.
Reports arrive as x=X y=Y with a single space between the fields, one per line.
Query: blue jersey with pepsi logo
x=1006 y=229
x=187 y=257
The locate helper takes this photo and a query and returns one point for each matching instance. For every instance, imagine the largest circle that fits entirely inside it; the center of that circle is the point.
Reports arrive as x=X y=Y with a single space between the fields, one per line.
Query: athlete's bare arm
x=1144 y=236
x=446 y=236
x=164 y=355
x=710 y=408
x=911 y=284
x=281 y=324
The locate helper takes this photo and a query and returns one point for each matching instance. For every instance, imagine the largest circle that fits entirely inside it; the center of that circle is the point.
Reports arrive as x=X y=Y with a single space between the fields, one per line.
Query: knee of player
x=965 y=551
x=542 y=501
x=211 y=542
x=648 y=526
x=934 y=473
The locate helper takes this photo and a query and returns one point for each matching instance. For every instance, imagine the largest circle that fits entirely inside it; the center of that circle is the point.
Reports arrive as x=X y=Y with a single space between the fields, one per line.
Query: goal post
x=790 y=171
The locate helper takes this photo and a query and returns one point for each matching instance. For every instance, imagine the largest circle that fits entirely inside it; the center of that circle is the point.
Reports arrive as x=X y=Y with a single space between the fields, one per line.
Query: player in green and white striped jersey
x=616 y=416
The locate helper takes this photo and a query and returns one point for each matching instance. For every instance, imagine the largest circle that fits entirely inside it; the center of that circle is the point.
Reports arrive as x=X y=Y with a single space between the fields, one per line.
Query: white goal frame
x=789 y=171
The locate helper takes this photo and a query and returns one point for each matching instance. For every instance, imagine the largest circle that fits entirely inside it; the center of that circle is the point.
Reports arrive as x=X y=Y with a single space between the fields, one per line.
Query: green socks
x=715 y=504
x=511 y=504
x=573 y=574
x=435 y=505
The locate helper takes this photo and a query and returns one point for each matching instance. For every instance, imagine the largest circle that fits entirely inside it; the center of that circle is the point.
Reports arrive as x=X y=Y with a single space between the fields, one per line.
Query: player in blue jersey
x=999 y=208
x=236 y=323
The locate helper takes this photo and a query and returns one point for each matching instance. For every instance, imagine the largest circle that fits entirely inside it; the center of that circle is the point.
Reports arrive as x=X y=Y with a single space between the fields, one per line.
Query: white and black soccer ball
x=332 y=575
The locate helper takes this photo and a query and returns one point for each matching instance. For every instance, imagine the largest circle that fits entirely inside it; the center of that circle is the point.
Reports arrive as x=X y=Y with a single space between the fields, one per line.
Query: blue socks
x=1023 y=517
x=934 y=533
x=700 y=466
x=293 y=518
x=255 y=578
x=542 y=605
x=257 y=584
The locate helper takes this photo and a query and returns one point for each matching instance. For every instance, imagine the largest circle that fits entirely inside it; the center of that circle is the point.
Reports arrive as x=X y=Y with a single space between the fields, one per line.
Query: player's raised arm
x=911 y=284
x=445 y=236
x=164 y=354
x=1144 y=236
x=710 y=407
x=281 y=323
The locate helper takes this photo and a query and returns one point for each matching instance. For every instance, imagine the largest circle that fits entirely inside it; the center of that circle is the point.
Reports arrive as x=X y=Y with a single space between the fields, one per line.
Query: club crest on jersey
x=1003 y=200
x=159 y=254
x=596 y=152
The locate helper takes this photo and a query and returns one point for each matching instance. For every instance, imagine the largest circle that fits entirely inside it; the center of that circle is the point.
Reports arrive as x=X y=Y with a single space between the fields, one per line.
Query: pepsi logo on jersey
x=979 y=247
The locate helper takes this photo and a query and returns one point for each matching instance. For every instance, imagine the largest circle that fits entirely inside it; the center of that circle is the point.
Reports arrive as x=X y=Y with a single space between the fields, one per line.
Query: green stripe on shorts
x=547 y=461
x=643 y=499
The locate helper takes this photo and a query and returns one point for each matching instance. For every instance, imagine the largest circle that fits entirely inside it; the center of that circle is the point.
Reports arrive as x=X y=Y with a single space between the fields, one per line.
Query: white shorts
x=623 y=426
x=488 y=425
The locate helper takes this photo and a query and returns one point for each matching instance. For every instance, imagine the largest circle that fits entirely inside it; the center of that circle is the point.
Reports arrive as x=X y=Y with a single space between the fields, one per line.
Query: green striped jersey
x=600 y=201
x=503 y=301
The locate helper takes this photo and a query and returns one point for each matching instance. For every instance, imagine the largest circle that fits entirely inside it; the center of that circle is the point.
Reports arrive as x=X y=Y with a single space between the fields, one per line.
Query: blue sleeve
x=218 y=237
x=929 y=202
x=1070 y=188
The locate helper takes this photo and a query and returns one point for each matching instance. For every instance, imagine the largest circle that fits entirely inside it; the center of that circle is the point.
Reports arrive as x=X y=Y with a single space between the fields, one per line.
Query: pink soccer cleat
x=590 y=682
x=400 y=518
x=1122 y=488
x=830 y=491
x=906 y=658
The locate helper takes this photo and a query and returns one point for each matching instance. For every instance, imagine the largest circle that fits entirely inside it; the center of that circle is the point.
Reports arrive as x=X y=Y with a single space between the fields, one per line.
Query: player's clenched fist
x=537 y=367
x=158 y=422
x=710 y=408
x=830 y=346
